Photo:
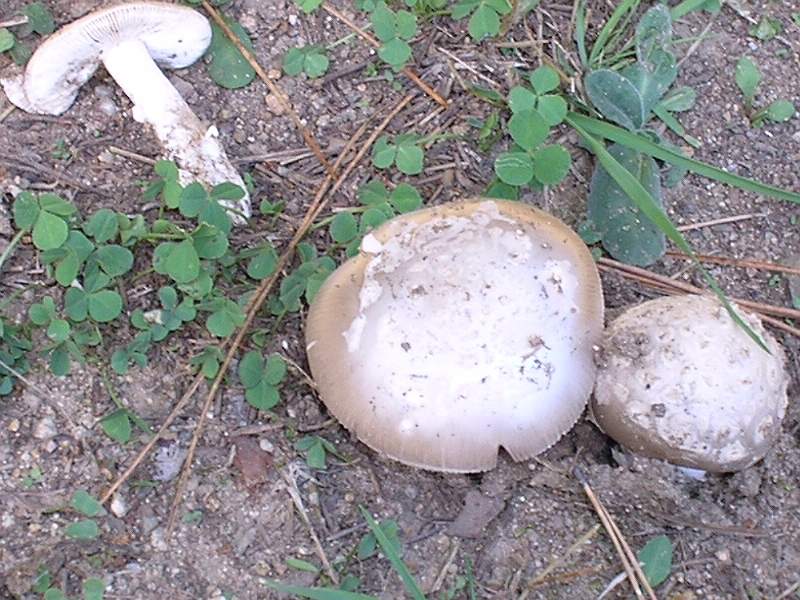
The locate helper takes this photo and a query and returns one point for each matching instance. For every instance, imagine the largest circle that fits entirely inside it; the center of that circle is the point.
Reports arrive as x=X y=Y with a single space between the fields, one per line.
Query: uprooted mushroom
x=458 y=330
x=132 y=41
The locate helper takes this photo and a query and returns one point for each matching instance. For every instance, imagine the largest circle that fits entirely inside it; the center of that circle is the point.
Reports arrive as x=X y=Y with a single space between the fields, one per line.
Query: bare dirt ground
x=734 y=536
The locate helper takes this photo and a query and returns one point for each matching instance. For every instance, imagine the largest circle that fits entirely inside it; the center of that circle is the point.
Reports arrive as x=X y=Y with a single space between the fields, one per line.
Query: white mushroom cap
x=132 y=40
x=175 y=37
x=679 y=380
x=457 y=330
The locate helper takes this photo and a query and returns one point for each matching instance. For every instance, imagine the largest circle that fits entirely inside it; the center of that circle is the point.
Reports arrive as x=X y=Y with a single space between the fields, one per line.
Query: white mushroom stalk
x=131 y=41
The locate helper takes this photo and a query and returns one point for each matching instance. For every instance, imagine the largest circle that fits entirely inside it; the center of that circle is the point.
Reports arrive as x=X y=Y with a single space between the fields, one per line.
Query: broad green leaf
x=93 y=589
x=76 y=304
x=113 y=259
x=780 y=110
x=373 y=192
x=552 y=108
x=521 y=98
x=551 y=164
x=627 y=234
x=616 y=98
x=275 y=369
x=26 y=210
x=316 y=63
x=544 y=79
x=395 y=52
x=656 y=559
x=308 y=6
x=653 y=34
x=653 y=83
x=251 y=369
x=409 y=159
x=405 y=198
x=39 y=18
x=528 y=129
x=102 y=226
x=485 y=22
x=166 y=169
x=105 y=306
x=383 y=153
x=384 y=22
x=55 y=204
x=210 y=242
x=60 y=361
x=344 y=227
x=463 y=7
x=263 y=264
x=262 y=396
x=514 y=168
x=406 y=24
x=54 y=594
x=86 y=504
x=50 y=231
x=316 y=457
x=679 y=100
x=293 y=61
x=227 y=66
x=182 y=263
x=83 y=530
x=58 y=330
x=747 y=77
x=6 y=39
x=117 y=426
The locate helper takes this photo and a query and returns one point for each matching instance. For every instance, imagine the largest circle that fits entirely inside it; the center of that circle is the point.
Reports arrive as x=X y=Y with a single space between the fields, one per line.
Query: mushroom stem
x=194 y=148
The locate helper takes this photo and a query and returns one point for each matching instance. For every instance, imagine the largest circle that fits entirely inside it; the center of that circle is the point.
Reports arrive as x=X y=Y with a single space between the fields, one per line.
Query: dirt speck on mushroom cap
x=679 y=380
x=457 y=330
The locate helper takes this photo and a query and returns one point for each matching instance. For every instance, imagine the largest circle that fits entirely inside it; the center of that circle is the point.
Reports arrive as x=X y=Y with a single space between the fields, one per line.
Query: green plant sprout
x=485 y=16
x=311 y=60
x=748 y=78
x=394 y=29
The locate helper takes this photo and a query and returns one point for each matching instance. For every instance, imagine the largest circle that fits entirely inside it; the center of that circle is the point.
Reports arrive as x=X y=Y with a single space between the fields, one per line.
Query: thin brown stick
x=7 y=111
x=317 y=205
x=407 y=71
x=721 y=221
x=445 y=567
x=743 y=263
x=14 y=21
x=273 y=88
x=294 y=493
x=631 y=556
x=644 y=274
x=605 y=520
x=131 y=155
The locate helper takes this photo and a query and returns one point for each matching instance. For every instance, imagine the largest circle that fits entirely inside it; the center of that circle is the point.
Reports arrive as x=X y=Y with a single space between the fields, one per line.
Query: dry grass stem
x=131 y=155
x=742 y=263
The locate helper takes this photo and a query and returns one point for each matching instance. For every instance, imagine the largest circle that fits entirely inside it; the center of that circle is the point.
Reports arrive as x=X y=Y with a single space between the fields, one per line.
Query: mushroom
x=679 y=380
x=457 y=330
x=132 y=40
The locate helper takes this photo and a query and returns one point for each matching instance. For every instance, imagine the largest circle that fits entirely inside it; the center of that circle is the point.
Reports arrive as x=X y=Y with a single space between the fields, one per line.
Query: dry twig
x=273 y=88
x=742 y=263
x=131 y=155
x=294 y=493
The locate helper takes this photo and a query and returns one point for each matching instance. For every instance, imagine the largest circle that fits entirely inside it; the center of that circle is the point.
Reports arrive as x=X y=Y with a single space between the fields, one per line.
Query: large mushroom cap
x=457 y=330
x=175 y=36
x=679 y=380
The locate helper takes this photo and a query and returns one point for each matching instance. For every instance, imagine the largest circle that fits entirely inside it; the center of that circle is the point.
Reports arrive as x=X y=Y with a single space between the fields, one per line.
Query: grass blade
x=610 y=26
x=685 y=7
x=670 y=121
x=580 y=32
x=644 y=145
x=394 y=558
x=645 y=202
x=316 y=593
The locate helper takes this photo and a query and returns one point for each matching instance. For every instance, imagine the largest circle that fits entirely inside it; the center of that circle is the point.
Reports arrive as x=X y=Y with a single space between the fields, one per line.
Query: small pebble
x=273 y=105
x=266 y=445
x=45 y=428
x=119 y=506
x=723 y=555
x=13 y=425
